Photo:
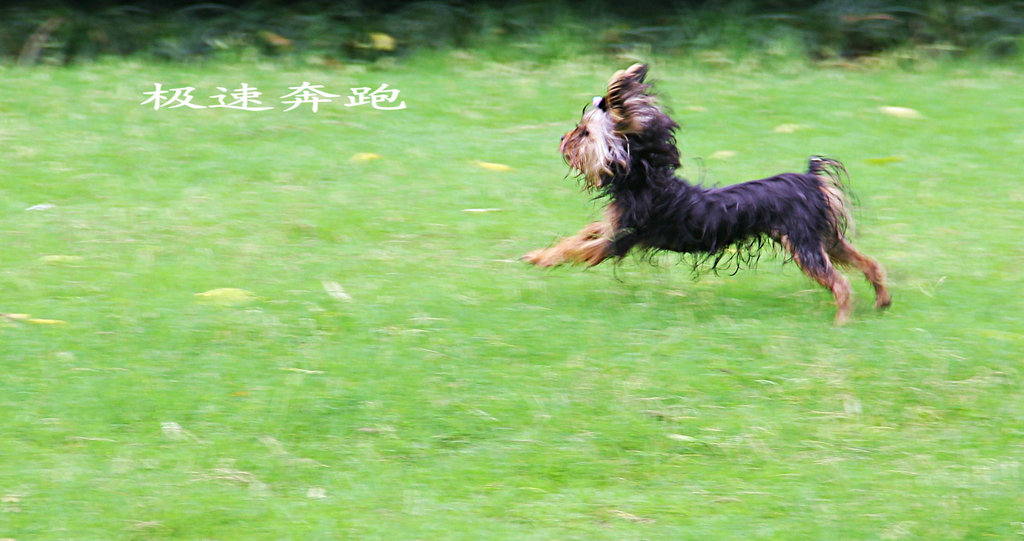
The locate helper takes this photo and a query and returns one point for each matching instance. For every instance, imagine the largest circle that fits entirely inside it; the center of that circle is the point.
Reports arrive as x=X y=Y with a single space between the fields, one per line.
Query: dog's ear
x=628 y=101
x=625 y=84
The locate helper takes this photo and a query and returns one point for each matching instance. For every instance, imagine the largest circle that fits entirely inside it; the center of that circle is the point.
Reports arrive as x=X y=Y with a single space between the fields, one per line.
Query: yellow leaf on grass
x=885 y=160
x=787 y=128
x=227 y=295
x=722 y=154
x=39 y=321
x=275 y=39
x=900 y=112
x=364 y=157
x=493 y=166
x=683 y=437
x=382 y=41
x=335 y=291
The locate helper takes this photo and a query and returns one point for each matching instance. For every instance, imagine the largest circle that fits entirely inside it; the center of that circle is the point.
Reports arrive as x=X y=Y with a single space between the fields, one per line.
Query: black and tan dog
x=624 y=149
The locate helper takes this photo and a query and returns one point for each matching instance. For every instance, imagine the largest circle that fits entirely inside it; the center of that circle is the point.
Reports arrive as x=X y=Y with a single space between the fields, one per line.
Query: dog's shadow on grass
x=676 y=295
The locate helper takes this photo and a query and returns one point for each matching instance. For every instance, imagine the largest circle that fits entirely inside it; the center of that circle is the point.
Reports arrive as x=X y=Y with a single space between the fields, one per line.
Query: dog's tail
x=834 y=180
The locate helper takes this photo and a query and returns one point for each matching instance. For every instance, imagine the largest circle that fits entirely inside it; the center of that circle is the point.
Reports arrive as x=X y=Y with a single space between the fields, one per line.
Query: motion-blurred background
x=63 y=32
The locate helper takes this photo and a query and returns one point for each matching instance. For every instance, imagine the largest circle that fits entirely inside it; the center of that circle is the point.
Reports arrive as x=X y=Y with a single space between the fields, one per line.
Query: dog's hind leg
x=843 y=253
x=835 y=282
x=815 y=264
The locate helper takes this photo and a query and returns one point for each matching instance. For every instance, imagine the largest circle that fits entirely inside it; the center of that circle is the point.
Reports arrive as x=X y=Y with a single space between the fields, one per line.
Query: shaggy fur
x=624 y=149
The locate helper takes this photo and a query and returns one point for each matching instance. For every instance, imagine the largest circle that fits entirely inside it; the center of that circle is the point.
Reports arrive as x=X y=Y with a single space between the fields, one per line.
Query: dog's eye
x=586 y=132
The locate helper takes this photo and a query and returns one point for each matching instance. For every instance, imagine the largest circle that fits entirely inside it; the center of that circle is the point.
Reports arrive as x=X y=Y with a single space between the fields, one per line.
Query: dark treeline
x=63 y=32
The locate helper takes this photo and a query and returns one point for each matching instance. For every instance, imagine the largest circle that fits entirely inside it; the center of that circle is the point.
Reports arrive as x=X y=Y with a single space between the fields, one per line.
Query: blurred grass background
x=395 y=373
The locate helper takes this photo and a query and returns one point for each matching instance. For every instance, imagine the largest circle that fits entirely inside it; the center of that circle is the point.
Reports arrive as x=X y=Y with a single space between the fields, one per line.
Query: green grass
x=460 y=394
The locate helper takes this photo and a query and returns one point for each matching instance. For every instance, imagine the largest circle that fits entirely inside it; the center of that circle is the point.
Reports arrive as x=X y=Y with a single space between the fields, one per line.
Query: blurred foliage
x=63 y=32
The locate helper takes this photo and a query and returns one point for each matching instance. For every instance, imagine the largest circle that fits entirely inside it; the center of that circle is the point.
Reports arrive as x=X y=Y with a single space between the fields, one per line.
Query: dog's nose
x=562 y=138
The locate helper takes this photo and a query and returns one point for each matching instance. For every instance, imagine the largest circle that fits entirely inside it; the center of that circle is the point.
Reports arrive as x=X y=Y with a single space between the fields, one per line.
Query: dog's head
x=625 y=118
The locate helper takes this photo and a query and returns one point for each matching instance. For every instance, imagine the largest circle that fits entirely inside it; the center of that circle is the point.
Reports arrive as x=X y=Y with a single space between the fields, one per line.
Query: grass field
x=396 y=373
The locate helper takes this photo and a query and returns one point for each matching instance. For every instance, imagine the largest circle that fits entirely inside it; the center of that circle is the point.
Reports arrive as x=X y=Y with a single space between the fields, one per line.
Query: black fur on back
x=661 y=211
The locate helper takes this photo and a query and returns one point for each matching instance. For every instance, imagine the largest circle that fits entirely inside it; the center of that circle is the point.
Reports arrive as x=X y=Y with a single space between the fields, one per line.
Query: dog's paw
x=539 y=258
x=883 y=302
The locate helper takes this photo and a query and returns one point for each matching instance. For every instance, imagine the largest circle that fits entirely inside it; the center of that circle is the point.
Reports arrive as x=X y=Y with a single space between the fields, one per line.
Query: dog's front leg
x=590 y=246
